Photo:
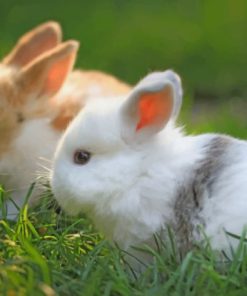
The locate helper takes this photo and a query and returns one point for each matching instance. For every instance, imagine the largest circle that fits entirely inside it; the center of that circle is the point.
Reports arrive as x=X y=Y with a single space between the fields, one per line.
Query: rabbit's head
x=30 y=75
x=108 y=146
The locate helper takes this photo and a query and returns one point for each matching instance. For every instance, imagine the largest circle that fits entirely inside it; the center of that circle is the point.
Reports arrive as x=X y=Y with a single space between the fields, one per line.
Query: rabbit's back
x=226 y=207
x=215 y=195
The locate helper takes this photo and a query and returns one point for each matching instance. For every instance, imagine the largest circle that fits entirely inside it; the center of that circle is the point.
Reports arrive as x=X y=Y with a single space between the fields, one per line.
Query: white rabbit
x=126 y=164
x=38 y=98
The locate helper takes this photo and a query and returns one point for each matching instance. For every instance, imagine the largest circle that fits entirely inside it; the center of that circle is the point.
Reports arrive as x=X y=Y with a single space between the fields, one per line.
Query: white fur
x=6 y=72
x=227 y=208
x=129 y=187
x=19 y=166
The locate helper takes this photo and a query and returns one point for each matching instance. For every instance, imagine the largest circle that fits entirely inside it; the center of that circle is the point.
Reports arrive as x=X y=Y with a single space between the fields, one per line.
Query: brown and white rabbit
x=29 y=77
x=126 y=164
x=38 y=98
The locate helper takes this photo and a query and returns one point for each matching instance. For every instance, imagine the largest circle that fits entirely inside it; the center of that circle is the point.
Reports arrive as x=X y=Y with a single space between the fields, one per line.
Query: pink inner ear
x=57 y=74
x=154 y=108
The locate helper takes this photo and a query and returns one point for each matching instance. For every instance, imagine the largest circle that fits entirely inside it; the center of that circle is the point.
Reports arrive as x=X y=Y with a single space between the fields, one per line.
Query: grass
x=47 y=253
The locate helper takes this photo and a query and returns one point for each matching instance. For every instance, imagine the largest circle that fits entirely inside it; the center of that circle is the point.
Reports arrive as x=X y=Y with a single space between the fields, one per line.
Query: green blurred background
x=204 y=41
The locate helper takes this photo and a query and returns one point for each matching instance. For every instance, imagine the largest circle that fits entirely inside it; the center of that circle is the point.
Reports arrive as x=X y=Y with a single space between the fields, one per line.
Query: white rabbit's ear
x=34 y=43
x=154 y=101
x=46 y=74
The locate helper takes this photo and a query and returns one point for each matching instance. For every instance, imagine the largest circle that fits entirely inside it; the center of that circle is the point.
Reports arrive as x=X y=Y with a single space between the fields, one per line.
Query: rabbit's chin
x=72 y=205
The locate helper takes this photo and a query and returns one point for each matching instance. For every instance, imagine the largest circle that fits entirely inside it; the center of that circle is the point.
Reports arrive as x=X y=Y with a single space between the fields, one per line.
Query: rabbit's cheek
x=8 y=131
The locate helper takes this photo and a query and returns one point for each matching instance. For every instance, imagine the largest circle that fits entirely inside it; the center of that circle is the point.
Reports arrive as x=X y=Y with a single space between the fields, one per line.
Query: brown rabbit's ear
x=34 y=43
x=46 y=74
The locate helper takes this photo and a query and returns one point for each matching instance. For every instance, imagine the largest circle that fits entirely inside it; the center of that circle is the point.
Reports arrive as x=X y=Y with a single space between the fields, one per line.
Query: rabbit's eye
x=81 y=157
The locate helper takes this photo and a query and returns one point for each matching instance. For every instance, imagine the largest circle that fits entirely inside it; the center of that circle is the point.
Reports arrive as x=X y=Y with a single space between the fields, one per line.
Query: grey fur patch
x=190 y=196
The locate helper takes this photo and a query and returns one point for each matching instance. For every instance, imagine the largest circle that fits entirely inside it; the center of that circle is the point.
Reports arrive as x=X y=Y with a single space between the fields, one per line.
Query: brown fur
x=8 y=131
x=37 y=67
x=83 y=82
x=34 y=43
x=9 y=102
x=13 y=91
x=109 y=85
